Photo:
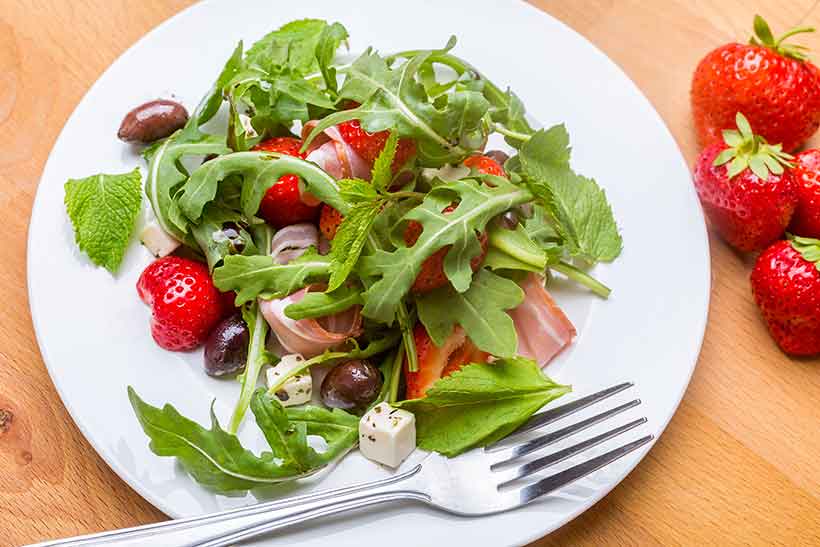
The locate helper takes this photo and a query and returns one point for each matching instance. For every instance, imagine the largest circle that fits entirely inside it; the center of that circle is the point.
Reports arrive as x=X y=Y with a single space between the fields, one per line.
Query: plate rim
x=160 y=503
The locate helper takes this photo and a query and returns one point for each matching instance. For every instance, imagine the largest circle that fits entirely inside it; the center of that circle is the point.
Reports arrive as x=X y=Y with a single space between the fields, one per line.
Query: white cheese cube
x=387 y=435
x=157 y=241
x=297 y=389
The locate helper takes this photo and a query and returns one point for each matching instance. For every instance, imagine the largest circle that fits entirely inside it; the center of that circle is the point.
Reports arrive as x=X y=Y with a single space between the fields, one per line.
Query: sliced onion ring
x=292 y=241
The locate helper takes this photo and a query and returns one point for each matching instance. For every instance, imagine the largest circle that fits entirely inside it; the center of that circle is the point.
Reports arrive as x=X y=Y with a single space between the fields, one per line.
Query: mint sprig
x=103 y=209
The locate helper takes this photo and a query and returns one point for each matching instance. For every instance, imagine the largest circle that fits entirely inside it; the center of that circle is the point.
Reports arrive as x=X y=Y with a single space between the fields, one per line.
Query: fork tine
x=563 y=478
x=549 y=416
x=511 y=453
x=537 y=465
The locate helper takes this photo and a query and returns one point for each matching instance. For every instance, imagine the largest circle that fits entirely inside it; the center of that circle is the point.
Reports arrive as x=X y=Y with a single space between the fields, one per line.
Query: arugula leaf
x=217 y=460
x=322 y=304
x=480 y=310
x=251 y=276
x=292 y=46
x=515 y=250
x=103 y=209
x=210 y=104
x=259 y=171
x=480 y=404
x=577 y=206
x=392 y=98
x=258 y=356
x=330 y=40
x=396 y=270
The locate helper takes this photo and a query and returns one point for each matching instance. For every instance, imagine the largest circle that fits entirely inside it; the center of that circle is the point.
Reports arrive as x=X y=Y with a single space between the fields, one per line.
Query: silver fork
x=480 y=482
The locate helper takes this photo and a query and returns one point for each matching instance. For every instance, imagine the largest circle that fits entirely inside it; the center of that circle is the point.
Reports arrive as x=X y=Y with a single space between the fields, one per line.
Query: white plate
x=93 y=330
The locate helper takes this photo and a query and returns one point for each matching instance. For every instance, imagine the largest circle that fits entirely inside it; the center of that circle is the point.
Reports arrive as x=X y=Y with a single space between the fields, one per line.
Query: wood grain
x=738 y=464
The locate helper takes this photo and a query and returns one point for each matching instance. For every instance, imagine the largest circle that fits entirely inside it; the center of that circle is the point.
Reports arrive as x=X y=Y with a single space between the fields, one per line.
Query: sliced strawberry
x=432 y=276
x=485 y=165
x=185 y=303
x=329 y=221
x=438 y=362
x=282 y=205
x=369 y=145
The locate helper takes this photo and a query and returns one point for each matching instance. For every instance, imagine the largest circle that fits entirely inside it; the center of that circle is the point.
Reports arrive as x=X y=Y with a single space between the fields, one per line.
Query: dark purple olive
x=227 y=347
x=152 y=121
x=498 y=155
x=351 y=386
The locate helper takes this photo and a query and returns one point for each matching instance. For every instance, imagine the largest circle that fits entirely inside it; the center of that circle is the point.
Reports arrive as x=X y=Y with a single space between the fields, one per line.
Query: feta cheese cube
x=157 y=240
x=387 y=435
x=297 y=389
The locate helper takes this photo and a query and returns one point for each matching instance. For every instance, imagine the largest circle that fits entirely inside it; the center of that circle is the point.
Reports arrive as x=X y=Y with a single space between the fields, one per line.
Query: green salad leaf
x=251 y=276
x=396 y=270
x=209 y=234
x=390 y=97
x=480 y=404
x=103 y=209
x=578 y=207
x=323 y=304
x=481 y=310
x=217 y=460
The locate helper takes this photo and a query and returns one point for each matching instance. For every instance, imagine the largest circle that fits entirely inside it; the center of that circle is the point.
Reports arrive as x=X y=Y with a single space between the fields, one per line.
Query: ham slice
x=310 y=337
x=543 y=329
x=330 y=152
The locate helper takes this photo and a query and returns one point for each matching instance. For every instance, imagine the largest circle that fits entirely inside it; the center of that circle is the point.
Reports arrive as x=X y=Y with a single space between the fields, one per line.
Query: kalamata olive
x=152 y=121
x=351 y=386
x=227 y=346
x=498 y=155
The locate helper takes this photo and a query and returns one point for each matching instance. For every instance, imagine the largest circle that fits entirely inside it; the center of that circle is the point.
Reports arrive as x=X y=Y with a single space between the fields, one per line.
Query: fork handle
x=235 y=525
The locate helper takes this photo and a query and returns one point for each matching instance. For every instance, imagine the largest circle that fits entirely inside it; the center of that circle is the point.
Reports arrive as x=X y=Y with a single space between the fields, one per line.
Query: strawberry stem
x=763 y=37
x=745 y=150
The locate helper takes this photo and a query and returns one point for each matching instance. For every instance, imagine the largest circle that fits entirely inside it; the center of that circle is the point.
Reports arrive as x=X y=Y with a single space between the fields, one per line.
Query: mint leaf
x=292 y=46
x=217 y=460
x=323 y=304
x=251 y=276
x=357 y=190
x=396 y=270
x=349 y=241
x=578 y=207
x=480 y=310
x=381 y=176
x=480 y=404
x=103 y=209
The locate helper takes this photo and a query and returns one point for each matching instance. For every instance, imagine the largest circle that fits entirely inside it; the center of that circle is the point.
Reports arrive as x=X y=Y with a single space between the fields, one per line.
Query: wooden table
x=738 y=464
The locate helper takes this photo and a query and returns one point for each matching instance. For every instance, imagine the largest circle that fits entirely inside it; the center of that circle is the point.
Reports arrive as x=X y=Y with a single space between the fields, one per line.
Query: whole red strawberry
x=806 y=172
x=786 y=287
x=282 y=205
x=184 y=302
x=746 y=188
x=772 y=83
x=369 y=145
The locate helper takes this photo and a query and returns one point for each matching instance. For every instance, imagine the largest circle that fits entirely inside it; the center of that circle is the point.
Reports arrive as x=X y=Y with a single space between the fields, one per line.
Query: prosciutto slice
x=543 y=329
x=309 y=337
x=330 y=152
x=293 y=241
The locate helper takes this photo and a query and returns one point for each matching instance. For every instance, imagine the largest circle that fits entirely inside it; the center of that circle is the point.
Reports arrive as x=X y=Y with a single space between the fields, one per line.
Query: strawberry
x=185 y=303
x=438 y=362
x=744 y=188
x=786 y=287
x=432 y=276
x=329 y=221
x=282 y=205
x=369 y=145
x=485 y=165
x=772 y=83
x=806 y=173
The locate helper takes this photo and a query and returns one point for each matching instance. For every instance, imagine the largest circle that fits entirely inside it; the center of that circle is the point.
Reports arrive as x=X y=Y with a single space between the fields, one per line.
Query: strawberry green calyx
x=809 y=248
x=749 y=150
x=763 y=37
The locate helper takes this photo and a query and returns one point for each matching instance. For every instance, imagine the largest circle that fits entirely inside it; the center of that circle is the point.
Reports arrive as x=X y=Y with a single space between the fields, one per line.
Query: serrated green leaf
x=481 y=310
x=480 y=404
x=330 y=40
x=292 y=46
x=103 y=209
x=357 y=190
x=578 y=206
x=349 y=240
x=250 y=276
x=381 y=176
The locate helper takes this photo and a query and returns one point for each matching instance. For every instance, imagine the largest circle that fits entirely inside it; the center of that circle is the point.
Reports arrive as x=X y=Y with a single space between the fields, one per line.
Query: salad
x=350 y=253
